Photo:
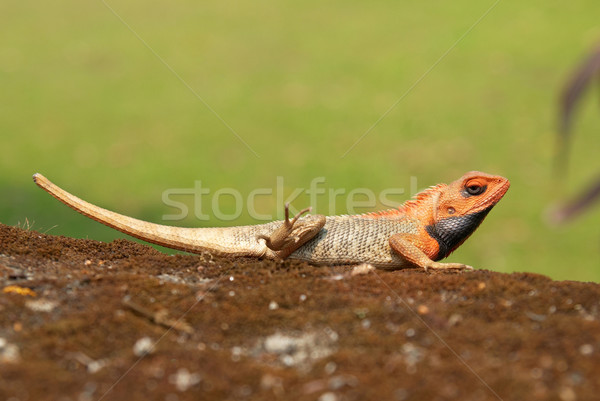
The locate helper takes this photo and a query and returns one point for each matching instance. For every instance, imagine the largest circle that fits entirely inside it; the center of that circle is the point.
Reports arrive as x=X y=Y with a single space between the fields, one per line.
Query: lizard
x=419 y=233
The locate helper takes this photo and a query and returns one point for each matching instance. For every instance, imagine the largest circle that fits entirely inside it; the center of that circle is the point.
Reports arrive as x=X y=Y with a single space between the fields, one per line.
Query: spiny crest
x=410 y=205
x=421 y=197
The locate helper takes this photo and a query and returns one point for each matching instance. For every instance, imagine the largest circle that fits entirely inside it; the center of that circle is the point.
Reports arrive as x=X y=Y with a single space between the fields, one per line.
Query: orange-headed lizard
x=416 y=234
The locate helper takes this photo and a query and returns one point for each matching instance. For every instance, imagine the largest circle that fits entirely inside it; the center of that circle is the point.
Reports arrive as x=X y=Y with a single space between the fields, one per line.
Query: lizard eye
x=475 y=188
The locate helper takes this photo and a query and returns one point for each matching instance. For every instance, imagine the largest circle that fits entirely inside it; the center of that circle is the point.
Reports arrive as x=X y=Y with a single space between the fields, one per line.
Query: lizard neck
x=451 y=232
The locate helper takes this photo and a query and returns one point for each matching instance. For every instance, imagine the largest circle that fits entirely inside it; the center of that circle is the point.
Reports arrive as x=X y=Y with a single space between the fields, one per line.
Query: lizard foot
x=292 y=234
x=447 y=266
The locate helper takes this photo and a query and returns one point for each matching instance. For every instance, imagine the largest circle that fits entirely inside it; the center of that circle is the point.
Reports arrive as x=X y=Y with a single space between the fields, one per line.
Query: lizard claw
x=291 y=223
x=292 y=233
x=447 y=266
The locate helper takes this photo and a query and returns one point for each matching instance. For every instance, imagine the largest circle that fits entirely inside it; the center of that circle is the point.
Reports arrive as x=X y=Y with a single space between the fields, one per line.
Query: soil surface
x=85 y=320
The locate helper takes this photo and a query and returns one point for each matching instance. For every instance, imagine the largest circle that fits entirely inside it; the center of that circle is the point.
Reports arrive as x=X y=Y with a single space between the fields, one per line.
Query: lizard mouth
x=493 y=198
x=499 y=193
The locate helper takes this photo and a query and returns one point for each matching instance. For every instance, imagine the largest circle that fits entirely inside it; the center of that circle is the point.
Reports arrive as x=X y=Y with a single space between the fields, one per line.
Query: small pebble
x=361 y=269
x=143 y=346
x=273 y=305
x=9 y=353
x=454 y=319
x=330 y=368
x=183 y=379
x=41 y=305
x=586 y=349
x=328 y=396
x=567 y=394
x=422 y=309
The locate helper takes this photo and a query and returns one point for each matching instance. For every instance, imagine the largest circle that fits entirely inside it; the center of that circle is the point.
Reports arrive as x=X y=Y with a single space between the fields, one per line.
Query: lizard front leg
x=292 y=234
x=406 y=245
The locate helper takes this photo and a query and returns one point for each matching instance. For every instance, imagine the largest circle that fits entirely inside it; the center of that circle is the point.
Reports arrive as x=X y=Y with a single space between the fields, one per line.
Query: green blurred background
x=86 y=103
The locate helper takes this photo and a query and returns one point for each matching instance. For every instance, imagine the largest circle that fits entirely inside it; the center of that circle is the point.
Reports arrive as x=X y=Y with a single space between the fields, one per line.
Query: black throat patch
x=453 y=231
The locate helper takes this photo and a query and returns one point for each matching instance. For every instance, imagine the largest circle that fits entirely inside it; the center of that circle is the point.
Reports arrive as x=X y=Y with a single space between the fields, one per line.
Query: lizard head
x=474 y=192
x=461 y=207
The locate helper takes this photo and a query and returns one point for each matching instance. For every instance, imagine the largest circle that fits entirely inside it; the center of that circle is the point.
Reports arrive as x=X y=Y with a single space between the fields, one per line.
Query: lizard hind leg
x=292 y=234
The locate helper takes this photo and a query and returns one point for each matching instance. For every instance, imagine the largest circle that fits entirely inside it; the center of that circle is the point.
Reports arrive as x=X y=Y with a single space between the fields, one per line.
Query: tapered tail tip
x=39 y=179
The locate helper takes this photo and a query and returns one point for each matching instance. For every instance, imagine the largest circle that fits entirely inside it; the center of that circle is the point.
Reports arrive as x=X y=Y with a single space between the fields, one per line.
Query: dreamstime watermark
x=207 y=204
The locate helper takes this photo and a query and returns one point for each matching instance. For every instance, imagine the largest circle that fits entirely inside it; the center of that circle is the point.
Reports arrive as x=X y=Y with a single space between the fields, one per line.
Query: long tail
x=234 y=241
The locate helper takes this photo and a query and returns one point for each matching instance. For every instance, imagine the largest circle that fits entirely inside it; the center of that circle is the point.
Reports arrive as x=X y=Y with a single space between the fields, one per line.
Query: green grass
x=87 y=104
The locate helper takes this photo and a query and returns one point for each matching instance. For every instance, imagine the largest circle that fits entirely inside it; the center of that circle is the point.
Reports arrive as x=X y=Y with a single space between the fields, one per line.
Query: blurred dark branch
x=577 y=205
x=581 y=79
x=571 y=96
x=575 y=88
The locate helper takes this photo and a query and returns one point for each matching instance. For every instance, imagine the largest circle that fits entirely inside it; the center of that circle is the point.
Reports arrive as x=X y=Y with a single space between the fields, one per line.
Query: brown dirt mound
x=85 y=320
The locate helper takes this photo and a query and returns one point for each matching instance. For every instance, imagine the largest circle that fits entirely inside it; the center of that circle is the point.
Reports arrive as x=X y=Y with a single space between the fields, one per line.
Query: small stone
x=273 y=305
x=280 y=344
x=361 y=313
x=269 y=381
x=340 y=381
x=96 y=366
x=302 y=297
x=143 y=346
x=454 y=319
x=330 y=368
x=567 y=394
x=9 y=353
x=364 y=268
x=236 y=354
x=422 y=309
x=481 y=286
x=586 y=349
x=328 y=396
x=183 y=379
x=41 y=305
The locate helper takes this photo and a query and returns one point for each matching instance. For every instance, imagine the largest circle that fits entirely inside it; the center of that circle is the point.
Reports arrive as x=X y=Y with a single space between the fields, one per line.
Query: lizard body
x=418 y=233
